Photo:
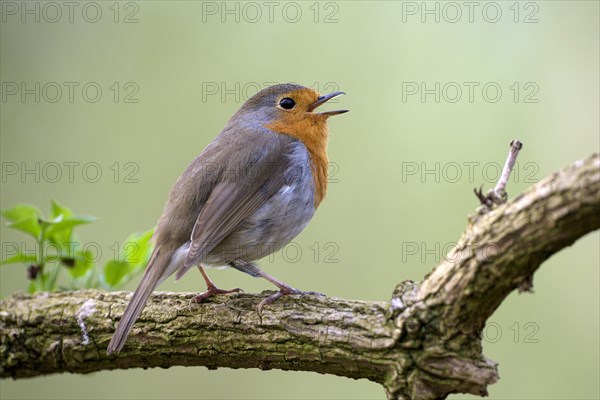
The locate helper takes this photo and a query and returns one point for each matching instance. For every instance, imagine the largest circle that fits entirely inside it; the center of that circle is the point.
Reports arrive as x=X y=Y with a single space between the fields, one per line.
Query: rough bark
x=424 y=343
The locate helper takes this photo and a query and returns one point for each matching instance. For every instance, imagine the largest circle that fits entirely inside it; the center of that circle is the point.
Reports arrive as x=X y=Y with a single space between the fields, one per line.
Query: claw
x=213 y=290
x=283 y=292
x=479 y=193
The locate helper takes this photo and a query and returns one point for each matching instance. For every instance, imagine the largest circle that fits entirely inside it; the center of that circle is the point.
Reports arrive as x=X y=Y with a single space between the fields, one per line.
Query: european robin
x=248 y=194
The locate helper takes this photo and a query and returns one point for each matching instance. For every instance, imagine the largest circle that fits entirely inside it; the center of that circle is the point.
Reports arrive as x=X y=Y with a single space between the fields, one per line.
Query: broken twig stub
x=498 y=194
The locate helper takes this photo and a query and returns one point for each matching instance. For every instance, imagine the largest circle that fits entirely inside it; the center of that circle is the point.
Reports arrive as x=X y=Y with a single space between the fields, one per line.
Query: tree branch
x=422 y=344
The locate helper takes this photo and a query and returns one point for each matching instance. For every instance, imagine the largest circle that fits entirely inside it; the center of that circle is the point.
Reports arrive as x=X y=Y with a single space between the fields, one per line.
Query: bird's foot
x=213 y=290
x=284 y=291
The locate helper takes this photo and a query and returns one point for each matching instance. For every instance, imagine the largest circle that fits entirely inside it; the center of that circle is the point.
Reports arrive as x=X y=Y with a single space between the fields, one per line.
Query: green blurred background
x=192 y=64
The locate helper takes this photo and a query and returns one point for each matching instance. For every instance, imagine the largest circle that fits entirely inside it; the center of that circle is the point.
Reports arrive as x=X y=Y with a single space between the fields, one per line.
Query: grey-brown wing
x=228 y=205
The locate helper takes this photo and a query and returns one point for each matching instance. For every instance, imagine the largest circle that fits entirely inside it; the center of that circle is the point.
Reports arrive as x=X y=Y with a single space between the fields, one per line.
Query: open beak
x=324 y=99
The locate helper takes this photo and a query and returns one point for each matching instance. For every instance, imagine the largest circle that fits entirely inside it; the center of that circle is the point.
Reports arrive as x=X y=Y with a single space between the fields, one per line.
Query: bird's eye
x=287 y=103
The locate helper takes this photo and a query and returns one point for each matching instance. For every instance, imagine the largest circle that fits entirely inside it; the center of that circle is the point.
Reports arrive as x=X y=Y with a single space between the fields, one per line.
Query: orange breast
x=312 y=131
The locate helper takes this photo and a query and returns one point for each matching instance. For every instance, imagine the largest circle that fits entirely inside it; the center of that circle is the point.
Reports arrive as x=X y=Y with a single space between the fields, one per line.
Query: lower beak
x=324 y=99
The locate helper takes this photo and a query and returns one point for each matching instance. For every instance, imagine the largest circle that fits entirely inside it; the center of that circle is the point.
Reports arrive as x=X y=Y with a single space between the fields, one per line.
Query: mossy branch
x=424 y=343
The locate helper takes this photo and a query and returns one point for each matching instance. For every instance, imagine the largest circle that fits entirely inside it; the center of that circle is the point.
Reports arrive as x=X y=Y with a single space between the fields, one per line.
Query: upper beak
x=324 y=99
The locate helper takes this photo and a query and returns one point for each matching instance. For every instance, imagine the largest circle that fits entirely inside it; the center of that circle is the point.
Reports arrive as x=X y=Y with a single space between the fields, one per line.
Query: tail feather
x=151 y=279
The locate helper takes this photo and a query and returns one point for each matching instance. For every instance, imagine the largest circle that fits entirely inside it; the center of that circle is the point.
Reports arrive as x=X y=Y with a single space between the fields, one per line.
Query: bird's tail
x=152 y=277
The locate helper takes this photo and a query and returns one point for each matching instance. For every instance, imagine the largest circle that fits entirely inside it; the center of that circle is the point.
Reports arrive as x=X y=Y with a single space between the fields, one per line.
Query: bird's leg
x=284 y=289
x=211 y=288
x=246 y=267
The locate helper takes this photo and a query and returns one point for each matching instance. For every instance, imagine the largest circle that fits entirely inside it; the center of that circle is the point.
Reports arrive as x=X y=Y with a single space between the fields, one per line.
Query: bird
x=250 y=192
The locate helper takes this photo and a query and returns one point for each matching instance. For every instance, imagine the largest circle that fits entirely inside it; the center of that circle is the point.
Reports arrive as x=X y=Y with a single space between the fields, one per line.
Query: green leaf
x=70 y=222
x=60 y=232
x=115 y=271
x=24 y=218
x=84 y=261
x=20 y=258
x=63 y=221
x=58 y=211
x=30 y=226
x=138 y=247
x=20 y=212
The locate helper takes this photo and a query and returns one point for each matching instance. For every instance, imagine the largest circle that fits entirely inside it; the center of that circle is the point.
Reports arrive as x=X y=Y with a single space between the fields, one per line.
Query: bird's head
x=291 y=109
